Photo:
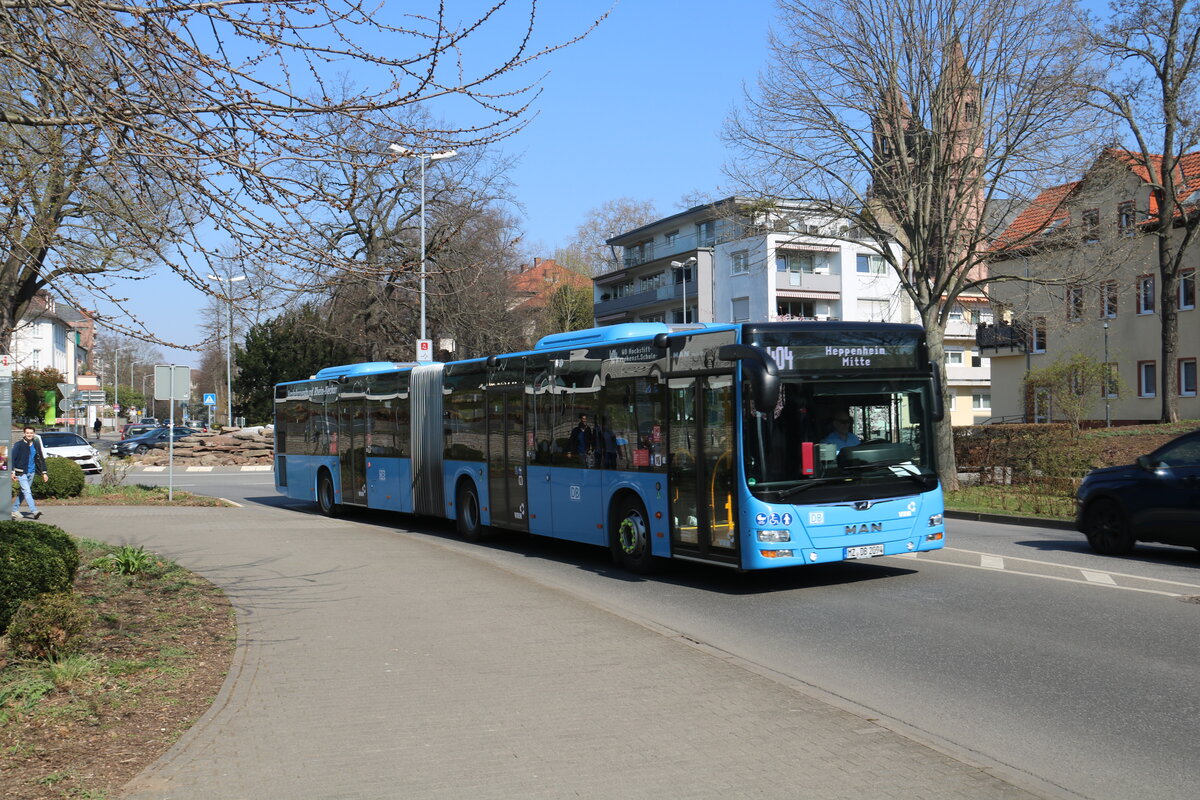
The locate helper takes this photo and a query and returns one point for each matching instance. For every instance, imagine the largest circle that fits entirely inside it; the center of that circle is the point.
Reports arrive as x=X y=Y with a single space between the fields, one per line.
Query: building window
x=796 y=309
x=954 y=358
x=980 y=361
x=1145 y=294
x=956 y=313
x=1074 y=303
x=706 y=233
x=1111 y=386
x=741 y=309
x=794 y=262
x=682 y=274
x=1125 y=218
x=35 y=359
x=1187 y=290
x=1187 y=377
x=679 y=318
x=740 y=264
x=671 y=238
x=1147 y=379
x=654 y=318
x=871 y=264
x=1108 y=299
x=1037 y=335
x=981 y=401
x=872 y=310
x=1091 y=225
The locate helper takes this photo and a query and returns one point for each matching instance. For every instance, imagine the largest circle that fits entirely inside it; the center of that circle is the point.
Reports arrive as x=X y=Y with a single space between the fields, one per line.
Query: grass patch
x=150 y=665
x=1013 y=500
x=133 y=495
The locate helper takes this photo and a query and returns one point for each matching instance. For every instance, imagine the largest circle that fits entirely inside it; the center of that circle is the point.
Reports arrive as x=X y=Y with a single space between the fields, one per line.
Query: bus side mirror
x=759 y=369
x=935 y=385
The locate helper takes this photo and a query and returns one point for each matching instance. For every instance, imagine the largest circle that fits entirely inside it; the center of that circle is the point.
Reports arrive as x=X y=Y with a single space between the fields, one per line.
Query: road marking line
x=258 y=468
x=1056 y=578
x=199 y=469
x=154 y=469
x=1062 y=566
x=1099 y=577
x=991 y=562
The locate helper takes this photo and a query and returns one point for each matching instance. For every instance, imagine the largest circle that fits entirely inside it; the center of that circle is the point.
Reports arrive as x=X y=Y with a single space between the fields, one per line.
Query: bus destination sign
x=882 y=353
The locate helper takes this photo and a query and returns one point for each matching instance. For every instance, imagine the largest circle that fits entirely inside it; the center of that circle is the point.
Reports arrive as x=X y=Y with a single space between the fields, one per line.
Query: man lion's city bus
x=745 y=445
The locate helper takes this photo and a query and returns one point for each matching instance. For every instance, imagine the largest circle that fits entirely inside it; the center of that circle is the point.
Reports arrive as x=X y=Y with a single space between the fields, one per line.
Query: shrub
x=1049 y=457
x=51 y=535
x=28 y=567
x=48 y=626
x=66 y=479
x=128 y=560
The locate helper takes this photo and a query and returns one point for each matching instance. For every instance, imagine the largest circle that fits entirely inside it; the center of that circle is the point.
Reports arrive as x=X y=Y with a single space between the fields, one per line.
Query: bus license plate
x=866 y=551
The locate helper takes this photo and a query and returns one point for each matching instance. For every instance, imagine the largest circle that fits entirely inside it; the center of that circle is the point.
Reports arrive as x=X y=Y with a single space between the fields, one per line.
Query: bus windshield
x=839 y=440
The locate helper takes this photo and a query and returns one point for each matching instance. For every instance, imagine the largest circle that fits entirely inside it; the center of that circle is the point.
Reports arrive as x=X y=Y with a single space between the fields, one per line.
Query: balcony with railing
x=819 y=281
x=1010 y=336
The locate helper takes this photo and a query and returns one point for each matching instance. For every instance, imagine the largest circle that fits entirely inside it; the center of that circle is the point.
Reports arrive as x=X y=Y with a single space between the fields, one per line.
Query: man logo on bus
x=874 y=527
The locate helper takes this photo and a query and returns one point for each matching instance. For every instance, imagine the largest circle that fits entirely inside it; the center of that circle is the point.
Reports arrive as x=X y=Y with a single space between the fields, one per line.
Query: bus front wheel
x=325 y=495
x=466 y=502
x=631 y=536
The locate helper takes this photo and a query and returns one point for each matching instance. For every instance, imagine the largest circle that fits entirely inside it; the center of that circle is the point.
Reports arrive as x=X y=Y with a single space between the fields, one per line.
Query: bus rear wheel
x=631 y=536
x=325 y=495
x=466 y=503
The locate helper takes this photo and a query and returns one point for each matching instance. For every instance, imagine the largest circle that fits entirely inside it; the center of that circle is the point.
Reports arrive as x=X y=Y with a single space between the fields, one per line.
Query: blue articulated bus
x=749 y=445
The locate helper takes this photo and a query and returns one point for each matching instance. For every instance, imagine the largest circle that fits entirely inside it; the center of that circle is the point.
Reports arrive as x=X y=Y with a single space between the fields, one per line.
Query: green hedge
x=66 y=479
x=32 y=562
x=1051 y=457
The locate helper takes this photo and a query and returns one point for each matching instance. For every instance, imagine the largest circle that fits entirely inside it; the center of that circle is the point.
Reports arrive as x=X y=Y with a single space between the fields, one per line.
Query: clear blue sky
x=634 y=110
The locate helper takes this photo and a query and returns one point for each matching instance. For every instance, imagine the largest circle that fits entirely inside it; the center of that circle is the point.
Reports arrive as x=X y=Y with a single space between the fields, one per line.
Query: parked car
x=148 y=421
x=1156 y=499
x=67 y=444
x=133 y=429
x=155 y=437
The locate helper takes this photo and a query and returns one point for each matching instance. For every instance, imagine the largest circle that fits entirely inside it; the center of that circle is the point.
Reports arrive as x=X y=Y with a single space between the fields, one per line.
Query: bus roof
x=617 y=333
x=369 y=368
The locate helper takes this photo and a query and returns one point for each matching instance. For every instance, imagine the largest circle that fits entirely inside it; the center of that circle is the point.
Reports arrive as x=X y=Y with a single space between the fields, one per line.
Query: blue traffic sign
x=210 y=399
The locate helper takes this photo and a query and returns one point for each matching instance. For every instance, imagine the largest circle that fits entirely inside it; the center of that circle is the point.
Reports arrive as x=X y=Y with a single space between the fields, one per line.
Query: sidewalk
x=373 y=664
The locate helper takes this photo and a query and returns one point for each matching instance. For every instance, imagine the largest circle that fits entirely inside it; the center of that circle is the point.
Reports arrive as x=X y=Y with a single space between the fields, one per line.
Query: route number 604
x=782 y=356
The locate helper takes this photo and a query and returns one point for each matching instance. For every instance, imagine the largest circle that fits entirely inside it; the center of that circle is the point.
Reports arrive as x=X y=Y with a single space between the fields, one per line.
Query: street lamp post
x=228 y=339
x=1107 y=380
x=684 y=267
x=144 y=379
x=423 y=158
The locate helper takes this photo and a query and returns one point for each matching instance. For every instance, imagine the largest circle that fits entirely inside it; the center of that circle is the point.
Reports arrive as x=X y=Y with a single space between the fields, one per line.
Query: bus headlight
x=774 y=536
x=936 y=519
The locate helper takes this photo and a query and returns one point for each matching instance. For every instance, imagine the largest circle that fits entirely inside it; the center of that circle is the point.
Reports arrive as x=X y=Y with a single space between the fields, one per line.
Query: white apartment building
x=52 y=334
x=738 y=260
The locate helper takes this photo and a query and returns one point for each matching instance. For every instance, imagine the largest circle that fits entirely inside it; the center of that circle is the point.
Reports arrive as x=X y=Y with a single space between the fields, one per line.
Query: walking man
x=28 y=458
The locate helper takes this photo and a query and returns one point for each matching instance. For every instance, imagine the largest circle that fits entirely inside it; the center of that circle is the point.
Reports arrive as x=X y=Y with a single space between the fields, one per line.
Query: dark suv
x=1155 y=500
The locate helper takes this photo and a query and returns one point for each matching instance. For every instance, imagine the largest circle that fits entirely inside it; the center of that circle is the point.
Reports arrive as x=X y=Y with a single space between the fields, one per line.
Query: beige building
x=1099 y=295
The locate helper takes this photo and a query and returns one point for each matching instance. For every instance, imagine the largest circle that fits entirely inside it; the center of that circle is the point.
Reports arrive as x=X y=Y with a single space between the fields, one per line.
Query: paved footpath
x=375 y=663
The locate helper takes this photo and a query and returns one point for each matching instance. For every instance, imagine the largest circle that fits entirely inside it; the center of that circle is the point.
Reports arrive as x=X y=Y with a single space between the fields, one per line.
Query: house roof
x=536 y=283
x=1046 y=211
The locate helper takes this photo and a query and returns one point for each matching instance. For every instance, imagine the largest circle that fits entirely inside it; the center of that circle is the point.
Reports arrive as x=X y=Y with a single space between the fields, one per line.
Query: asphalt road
x=1073 y=673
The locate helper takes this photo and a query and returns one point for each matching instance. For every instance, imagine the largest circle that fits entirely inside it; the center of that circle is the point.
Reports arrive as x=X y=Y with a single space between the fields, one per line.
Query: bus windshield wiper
x=784 y=494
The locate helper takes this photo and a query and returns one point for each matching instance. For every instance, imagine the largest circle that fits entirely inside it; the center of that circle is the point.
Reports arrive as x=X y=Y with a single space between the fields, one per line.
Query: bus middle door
x=507 y=485
x=702 y=472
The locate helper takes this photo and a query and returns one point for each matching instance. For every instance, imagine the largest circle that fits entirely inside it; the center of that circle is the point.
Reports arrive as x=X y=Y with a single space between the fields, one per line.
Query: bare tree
x=912 y=121
x=141 y=135
x=588 y=252
x=1152 y=87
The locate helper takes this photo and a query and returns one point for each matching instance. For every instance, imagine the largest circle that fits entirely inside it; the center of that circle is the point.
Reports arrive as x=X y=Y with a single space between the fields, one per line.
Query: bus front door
x=506 y=459
x=702 y=470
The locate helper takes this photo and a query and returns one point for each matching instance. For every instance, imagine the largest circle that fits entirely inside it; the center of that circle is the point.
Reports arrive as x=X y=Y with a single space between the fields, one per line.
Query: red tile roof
x=1048 y=208
x=539 y=281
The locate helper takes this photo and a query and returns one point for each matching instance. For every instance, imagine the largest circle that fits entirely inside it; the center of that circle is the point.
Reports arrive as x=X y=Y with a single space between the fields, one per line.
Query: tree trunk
x=1168 y=271
x=943 y=432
